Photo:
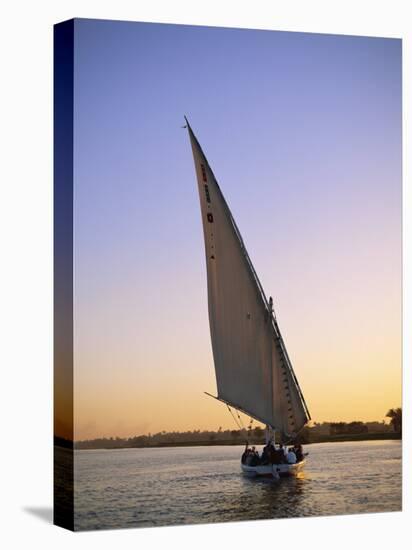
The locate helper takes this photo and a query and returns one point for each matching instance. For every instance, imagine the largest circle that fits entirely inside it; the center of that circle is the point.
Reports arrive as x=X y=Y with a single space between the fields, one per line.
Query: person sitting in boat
x=245 y=453
x=250 y=456
x=282 y=454
x=267 y=453
x=291 y=456
x=277 y=456
x=254 y=459
x=298 y=452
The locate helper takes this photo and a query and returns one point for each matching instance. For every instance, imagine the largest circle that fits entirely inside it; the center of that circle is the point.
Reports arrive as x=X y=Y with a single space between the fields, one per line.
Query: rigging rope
x=240 y=420
x=240 y=426
x=233 y=416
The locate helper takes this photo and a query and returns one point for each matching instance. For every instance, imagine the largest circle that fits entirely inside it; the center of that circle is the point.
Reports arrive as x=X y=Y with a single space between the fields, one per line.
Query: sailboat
x=254 y=373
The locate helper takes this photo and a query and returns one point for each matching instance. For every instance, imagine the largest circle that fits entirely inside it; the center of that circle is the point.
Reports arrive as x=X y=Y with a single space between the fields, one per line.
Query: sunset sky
x=303 y=132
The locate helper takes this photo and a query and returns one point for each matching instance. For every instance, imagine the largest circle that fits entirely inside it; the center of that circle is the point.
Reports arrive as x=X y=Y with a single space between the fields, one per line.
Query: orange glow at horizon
x=348 y=368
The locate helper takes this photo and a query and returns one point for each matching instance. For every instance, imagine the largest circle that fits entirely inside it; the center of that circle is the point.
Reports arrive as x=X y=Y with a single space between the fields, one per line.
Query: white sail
x=253 y=371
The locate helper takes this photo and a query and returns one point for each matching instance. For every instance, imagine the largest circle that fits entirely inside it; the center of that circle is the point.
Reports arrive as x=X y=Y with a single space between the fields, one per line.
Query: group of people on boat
x=272 y=454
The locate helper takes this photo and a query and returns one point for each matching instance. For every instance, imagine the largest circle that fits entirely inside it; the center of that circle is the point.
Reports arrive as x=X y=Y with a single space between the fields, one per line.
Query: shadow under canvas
x=44 y=513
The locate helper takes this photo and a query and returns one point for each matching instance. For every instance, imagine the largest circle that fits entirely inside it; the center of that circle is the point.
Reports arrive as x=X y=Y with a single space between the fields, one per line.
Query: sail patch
x=203 y=172
x=207 y=193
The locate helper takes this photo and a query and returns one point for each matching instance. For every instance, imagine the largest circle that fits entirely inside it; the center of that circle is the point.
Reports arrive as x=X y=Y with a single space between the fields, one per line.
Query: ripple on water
x=153 y=487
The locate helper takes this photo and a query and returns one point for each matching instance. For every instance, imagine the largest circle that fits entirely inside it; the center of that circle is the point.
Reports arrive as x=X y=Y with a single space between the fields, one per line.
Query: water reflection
x=267 y=498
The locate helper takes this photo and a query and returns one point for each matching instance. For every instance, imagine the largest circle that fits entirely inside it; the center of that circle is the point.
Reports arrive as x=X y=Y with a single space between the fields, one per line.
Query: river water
x=171 y=486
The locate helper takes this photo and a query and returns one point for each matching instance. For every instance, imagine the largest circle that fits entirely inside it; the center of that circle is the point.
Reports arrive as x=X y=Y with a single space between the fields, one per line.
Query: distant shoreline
x=252 y=441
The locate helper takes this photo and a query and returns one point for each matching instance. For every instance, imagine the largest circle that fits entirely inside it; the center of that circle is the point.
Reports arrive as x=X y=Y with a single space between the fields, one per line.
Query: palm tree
x=396 y=419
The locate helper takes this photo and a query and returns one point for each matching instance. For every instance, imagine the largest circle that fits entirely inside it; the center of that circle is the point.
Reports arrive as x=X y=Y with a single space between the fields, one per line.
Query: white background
x=26 y=270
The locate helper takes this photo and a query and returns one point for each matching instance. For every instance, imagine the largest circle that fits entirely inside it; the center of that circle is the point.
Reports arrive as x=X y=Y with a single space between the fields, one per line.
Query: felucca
x=254 y=374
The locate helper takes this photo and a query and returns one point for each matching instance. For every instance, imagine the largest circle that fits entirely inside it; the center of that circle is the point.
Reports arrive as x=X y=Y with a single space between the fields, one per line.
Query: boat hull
x=274 y=470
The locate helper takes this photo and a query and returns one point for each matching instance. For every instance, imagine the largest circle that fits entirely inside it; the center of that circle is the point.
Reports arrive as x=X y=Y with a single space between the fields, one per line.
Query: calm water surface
x=153 y=487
